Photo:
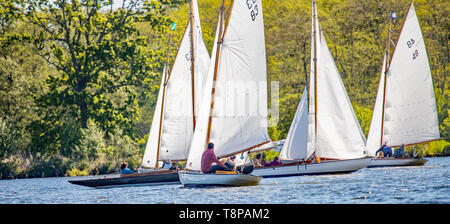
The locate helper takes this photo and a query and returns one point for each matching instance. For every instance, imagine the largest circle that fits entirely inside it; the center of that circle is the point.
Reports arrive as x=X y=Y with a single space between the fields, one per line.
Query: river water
x=396 y=185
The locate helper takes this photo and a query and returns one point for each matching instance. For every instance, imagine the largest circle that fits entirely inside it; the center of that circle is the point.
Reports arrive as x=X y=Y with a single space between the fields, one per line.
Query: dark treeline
x=79 y=78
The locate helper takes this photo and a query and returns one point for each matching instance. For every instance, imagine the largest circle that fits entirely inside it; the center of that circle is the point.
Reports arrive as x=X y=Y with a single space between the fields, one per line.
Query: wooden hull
x=202 y=179
x=140 y=179
x=392 y=161
x=326 y=167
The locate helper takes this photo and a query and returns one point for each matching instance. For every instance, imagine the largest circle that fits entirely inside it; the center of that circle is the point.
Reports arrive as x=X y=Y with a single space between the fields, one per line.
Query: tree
x=100 y=58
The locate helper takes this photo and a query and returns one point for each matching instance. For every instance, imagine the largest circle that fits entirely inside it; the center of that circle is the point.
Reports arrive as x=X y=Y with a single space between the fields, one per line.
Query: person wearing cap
x=208 y=158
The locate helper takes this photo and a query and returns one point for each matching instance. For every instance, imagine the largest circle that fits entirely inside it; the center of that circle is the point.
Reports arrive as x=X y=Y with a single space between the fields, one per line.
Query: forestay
x=177 y=125
x=149 y=159
x=239 y=113
x=374 y=136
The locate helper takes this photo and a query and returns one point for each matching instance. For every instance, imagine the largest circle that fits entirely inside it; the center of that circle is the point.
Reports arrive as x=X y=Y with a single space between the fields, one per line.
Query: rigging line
x=218 y=53
x=176 y=55
x=162 y=103
x=315 y=74
x=247 y=149
x=388 y=66
x=191 y=19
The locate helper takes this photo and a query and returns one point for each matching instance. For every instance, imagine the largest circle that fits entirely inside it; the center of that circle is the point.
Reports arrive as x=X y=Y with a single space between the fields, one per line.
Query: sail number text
x=410 y=43
x=253 y=7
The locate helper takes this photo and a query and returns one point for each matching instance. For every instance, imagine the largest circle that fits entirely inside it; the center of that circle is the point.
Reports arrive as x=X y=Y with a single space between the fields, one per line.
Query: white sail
x=199 y=137
x=239 y=117
x=177 y=125
x=410 y=106
x=374 y=137
x=149 y=159
x=339 y=134
x=202 y=58
x=295 y=145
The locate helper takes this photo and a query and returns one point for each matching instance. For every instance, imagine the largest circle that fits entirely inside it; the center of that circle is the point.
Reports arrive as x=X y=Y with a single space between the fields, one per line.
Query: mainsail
x=172 y=136
x=410 y=115
x=333 y=129
x=235 y=93
x=339 y=134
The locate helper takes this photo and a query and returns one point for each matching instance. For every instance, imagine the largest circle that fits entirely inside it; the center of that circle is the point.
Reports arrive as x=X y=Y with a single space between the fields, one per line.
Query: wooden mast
x=191 y=20
x=219 y=45
x=222 y=31
x=166 y=78
x=315 y=72
x=388 y=66
x=385 y=78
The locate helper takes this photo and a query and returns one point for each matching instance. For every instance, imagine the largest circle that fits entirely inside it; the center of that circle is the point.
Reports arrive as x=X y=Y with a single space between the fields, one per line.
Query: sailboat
x=229 y=116
x=405 y=107
x=174 y=119
x=325 y=126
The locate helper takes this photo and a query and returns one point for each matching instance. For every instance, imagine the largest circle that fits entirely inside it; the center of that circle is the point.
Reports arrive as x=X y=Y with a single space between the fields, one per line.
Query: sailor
x=208 y=158
x=258 y=160
x=275 y=162
x=400 y=151
x=124 y=169
x=174 y=166
x=387 y=151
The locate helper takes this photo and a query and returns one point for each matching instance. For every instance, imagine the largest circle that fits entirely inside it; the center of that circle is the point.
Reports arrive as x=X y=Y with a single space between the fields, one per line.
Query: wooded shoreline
x=79 y=82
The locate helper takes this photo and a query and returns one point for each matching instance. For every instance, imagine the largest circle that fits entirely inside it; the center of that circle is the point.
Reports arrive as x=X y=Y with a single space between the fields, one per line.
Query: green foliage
x=270 y=155
x=430 y=149
x=364 y=116
x=92 y=142
x=445 y=127
x=77 y=172
x=79 y=80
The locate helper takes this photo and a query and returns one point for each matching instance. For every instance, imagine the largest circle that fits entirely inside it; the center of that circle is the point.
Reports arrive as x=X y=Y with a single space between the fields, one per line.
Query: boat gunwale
x=303 y=163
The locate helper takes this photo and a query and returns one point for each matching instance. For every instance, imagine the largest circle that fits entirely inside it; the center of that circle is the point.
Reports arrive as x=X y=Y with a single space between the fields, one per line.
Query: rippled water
x=396 y=185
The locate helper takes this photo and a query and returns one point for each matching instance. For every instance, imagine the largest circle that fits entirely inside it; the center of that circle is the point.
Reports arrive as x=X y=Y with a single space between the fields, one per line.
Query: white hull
x=197 y=178
x=326 y=167
x=391 y=161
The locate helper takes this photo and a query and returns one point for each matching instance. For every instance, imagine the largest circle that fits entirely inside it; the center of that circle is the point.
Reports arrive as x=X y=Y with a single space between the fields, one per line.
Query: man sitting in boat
x=386 y=150
x=208 y=158
x=124 y=169
x=257 y=161
x=275 y=162
x=174 y=166
x=400 y=152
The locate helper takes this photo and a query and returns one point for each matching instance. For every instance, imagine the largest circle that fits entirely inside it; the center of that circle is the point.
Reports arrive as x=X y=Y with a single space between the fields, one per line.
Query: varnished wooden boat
x=160 y=177
x=192 y=178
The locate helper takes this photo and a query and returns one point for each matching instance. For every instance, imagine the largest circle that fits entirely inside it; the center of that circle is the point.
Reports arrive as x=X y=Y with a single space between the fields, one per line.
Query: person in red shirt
x=208 y=158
